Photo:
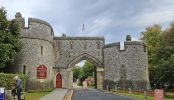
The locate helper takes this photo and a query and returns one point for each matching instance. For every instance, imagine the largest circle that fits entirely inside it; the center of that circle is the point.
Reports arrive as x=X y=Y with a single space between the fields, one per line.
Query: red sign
x=42 y=72
x=159 y=94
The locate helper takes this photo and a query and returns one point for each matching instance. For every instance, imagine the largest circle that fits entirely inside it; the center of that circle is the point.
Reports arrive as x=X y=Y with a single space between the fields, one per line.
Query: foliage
x=87 y=70
x=152 y=38
x=76 y=72
x=82 y=73
x=109 y=84
x=9 y=39
x=6 y=80
x=160 y=53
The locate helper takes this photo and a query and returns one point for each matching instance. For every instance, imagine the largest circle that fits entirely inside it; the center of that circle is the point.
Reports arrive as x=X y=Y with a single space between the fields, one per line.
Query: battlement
x=126 y=44
x=19 y=18
x=36 y=29
x=79 y=38
x=112 y=45
x=35 y=20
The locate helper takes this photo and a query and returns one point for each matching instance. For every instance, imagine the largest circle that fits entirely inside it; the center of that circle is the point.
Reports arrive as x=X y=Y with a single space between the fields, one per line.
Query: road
x=93 y=94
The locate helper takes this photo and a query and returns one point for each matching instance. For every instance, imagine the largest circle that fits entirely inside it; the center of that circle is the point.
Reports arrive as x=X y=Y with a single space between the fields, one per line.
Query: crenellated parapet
x=126 y=45
x=36 y=29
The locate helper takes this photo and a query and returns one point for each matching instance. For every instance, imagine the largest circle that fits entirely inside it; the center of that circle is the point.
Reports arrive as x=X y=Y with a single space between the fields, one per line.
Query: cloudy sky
x=112 y=19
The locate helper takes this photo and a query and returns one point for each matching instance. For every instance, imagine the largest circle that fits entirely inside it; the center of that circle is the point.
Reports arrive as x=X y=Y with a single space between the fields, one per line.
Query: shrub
x=7 y=79
x=108 y=83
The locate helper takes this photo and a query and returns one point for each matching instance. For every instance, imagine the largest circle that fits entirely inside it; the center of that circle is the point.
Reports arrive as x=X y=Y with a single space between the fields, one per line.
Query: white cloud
x=110 y=18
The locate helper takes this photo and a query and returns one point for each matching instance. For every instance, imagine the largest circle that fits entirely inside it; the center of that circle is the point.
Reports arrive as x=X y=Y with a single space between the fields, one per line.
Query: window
x=41 y=51
x=24 y=69
x=144 y=48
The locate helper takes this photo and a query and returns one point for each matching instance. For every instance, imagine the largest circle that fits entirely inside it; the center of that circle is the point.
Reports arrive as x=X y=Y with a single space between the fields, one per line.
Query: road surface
x=94 y=94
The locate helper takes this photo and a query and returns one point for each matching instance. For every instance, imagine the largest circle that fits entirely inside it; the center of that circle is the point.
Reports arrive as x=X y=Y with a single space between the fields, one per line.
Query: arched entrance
x=99 y=71
x=59 y=81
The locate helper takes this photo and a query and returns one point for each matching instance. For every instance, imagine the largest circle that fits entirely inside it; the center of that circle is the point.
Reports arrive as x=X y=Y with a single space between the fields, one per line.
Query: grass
x=36 y=95
x=140 y=96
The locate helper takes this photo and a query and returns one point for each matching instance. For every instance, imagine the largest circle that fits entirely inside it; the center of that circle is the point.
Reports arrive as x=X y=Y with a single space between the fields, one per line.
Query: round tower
x=36 y=59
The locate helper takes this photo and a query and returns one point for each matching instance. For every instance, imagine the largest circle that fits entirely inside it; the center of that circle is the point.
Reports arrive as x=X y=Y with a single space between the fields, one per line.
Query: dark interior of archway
x=85 y=68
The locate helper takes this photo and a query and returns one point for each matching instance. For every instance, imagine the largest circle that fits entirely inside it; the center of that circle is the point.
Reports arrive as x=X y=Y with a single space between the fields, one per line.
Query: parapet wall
x=126 y=45
x=37 y=29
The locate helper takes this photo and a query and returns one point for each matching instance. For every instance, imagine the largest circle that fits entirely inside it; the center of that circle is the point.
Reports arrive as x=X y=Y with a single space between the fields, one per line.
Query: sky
x=112 y=19
x=81 y=63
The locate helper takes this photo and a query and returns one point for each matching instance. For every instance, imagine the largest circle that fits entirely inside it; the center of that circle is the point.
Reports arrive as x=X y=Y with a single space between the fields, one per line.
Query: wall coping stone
x=78 y=38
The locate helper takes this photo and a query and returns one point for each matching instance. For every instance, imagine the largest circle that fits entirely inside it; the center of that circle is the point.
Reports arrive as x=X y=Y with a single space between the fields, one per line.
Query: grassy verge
x=36 y=95
x=140 y=96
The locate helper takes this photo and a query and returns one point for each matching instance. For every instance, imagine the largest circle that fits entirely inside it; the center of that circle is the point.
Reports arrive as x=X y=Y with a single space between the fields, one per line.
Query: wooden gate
x=58 y=81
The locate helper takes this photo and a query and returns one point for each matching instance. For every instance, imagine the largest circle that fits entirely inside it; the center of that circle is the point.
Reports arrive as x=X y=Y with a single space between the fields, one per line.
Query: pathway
x=57 y=94
x=96 y=95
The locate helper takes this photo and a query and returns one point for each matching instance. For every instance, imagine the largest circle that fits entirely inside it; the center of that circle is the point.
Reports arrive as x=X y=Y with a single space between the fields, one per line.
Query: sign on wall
x=42 y=72
x=159 y=94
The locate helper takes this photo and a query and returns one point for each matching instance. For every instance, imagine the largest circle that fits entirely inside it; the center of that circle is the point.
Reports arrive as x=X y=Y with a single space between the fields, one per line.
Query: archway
x=58 y=80
x=84 y=71
x=98 y=66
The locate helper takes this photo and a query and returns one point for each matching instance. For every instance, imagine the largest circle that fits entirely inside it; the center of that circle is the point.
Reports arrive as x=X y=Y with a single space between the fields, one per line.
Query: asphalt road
x=96 y=95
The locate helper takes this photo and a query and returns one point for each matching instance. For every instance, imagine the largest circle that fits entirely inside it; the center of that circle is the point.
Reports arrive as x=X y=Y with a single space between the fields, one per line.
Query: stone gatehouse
x=47 y=60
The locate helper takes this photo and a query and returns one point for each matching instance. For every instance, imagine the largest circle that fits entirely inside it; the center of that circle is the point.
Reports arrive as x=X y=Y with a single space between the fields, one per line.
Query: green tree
x=160 y=53
x=151 y=36
x=168 y=36
x=88 y=69
x=76 y=72
x=9 y=39
x=85 y=71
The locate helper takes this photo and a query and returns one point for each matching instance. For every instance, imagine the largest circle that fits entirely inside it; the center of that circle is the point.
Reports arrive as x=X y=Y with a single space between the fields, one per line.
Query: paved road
x=96 y=95
x=56 y=94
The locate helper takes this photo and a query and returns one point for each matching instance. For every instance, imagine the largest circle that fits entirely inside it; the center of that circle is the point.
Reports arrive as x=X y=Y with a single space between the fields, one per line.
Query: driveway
x=56 y=94
x=93 y=94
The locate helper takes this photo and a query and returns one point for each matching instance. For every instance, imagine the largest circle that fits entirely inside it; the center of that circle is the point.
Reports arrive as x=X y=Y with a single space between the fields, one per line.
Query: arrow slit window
x=41 y=51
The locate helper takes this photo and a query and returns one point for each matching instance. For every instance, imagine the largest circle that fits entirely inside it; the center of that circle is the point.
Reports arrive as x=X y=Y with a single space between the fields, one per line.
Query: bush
x=108 y=83
x=125 y=84
x=6 y=80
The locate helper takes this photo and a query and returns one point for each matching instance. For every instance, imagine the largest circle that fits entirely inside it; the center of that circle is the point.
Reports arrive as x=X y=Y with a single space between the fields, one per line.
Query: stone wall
x=68 y=49
x=129 y=66
x=37 y=40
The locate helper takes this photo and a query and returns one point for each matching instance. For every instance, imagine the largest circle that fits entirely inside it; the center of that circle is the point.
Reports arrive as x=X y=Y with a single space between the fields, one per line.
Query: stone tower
x=128 y=67
x=37 y=40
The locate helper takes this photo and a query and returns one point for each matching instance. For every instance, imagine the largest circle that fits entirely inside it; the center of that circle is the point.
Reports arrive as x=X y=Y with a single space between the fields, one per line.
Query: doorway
x=59 y=81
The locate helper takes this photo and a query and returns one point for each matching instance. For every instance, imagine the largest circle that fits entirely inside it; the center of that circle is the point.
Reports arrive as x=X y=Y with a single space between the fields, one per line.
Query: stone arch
x=88 y=57
x=97 y=64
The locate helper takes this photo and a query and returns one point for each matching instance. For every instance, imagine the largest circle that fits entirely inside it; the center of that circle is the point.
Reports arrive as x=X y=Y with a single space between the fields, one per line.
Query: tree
x=9 y=39
x=168 y=36
x=76 y=72
x=88 y=69
x=151 y=36
x=160 y=53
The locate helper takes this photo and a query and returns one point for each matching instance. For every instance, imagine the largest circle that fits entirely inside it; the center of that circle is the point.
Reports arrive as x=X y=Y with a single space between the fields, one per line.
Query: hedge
x=7 y=79
x=125 y=84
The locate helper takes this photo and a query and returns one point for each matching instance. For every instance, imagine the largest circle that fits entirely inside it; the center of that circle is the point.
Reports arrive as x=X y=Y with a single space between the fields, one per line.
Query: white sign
x=2 y=90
